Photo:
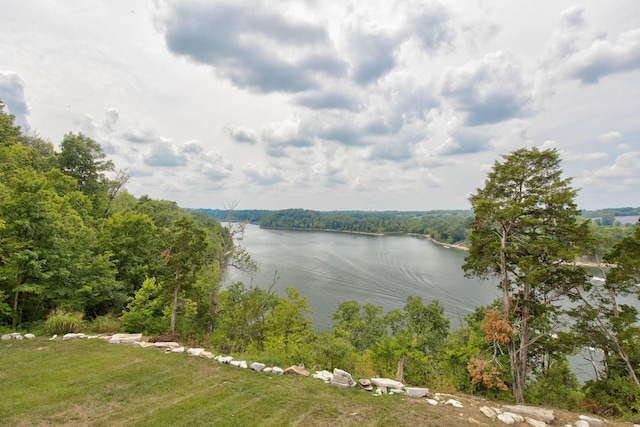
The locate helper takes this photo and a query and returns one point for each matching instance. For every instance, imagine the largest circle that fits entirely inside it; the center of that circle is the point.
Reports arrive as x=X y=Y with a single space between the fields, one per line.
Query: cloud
x=625 y=166
x=164 y=154
x=262 y=175
x=281 y=135
x=610 y=137
x=215 y=166
x=327 y=100
x=139 y=136
x=251 y=46
x=490 y=90
x=242 y=135
x=465 y=140
x=371 y=56
x=433 y=25
x=603 y=58
x=12 y=95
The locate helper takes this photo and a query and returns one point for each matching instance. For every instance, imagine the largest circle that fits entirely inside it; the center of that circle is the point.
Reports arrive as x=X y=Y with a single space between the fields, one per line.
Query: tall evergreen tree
x=526 y=233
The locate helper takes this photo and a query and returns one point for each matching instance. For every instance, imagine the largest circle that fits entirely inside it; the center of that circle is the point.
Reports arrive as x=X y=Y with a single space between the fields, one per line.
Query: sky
x=332 y=105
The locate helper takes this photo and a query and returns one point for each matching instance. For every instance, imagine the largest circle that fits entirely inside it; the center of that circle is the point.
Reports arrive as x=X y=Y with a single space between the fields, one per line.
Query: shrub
x=108 y=324
x=61 y=322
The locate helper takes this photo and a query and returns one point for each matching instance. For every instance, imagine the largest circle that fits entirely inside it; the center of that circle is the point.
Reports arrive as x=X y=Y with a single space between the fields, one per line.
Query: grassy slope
x=91 y=382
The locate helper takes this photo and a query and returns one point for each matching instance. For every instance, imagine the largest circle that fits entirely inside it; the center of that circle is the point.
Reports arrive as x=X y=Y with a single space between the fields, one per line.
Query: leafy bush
x=108 y=324
x=61 y=322
x=147 y=311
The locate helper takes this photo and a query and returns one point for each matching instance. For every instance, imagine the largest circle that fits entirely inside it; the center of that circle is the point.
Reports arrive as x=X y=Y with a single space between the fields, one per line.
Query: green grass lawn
x=91 y=382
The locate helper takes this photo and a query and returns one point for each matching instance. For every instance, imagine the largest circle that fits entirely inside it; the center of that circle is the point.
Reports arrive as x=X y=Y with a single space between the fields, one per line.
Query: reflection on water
x=329 y=268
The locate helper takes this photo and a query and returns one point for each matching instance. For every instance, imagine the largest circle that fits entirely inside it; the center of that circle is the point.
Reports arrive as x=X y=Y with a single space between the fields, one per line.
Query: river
x=329 y=268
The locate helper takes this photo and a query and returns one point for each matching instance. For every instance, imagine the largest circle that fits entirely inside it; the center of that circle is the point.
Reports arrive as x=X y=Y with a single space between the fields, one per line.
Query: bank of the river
x=324 y=230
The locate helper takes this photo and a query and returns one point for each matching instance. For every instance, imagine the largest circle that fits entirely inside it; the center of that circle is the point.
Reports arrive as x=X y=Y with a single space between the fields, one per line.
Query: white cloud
x=262 y=175
x=610 y=137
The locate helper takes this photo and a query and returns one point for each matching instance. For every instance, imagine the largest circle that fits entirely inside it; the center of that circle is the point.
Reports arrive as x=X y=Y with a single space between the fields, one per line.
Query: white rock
x=381 y=390
x=432 y=402
x=545 y=415
x=386 y=382
x=507 y=419
x=143 y=344
x=454 y=403
x=268 y=369
x=324 y=375
x=239 y=364
x=257 y=366
x=53 y=337
x=16 y=336
x=223 y=359
x=177 y=350
x=416 y=391
x=534 y=422
x=342 y=378
x=396 y=391
x=516 y=417
x=72 y=336
x=194 y=351
x=277 y=371
x=592 y=421
x=6 y=337
x=169 y=344
x=125 y=338
x=488 y=412
x=29 y=336
x=581 y=423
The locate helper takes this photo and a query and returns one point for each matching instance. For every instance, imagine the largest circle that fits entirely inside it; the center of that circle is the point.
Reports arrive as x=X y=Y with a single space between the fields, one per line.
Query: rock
x=16 y=336
x=432 y=402
x=534 y=422
x=323 y=375
x=365 y=384
x=591 y=420
x=296 y=370
x=380 y=391
x=5 y=337
x=207 y=355
x=125 y=338
x=169 y=344
x=72 y=336
x=386 y=382
x=581 y=423
x=53 y=337
x=177 y=350
x=195 y=351
x=416 y=391
x=507 y=419
x=277 y=371
x=488 y=412
x=239 y=364
x=545 y=415
x=143 y=344
x=454 y=403
x=396 y=391
x=267 y=370
x=516 y=417
x=257 y=366
x=342 y=378
x=29 y=336
x=223 y=359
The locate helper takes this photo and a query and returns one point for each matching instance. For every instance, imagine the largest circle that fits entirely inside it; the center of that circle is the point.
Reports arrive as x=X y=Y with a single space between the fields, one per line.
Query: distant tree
x=526 y=234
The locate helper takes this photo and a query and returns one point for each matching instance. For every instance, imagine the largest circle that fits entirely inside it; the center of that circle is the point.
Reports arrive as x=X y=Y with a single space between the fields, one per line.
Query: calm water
x=329 y=268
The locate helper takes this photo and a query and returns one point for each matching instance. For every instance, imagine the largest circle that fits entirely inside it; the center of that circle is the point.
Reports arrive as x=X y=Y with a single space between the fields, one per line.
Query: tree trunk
x=400 y=373
x=515 y=357
x=174 y=310
x=15 y=310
